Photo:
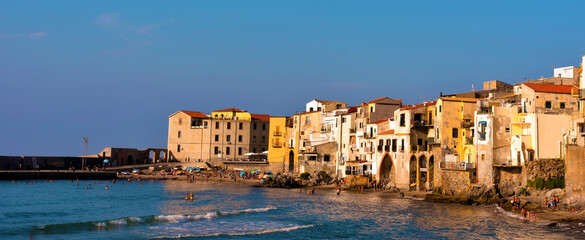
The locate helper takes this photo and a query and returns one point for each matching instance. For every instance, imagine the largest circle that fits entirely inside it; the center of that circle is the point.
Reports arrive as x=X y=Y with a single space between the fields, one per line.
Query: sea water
x=158 y=210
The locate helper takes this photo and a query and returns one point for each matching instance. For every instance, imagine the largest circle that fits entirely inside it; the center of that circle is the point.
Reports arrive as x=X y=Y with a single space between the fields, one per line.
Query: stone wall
x=46 y=163
x=454 y=183
x=545 y=169
x=509 y=180
x=575 y=176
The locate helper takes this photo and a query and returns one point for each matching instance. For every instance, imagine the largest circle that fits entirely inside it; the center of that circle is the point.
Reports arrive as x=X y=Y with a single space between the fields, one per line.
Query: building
x=225 y=136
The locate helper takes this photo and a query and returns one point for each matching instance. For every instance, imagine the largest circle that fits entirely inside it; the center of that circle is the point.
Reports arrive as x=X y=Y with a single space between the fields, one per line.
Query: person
x=106 y=187
x=338 y=189
x=524 y=213
x=313 y=190
x=187 y=197
x=308 y=191
x=191 y=197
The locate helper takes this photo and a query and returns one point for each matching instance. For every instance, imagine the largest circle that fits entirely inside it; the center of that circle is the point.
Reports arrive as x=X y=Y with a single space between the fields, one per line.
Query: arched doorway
x=291 y=161
x=413 y=170
x=422 y=167
x=387 y=171
x=431 y=170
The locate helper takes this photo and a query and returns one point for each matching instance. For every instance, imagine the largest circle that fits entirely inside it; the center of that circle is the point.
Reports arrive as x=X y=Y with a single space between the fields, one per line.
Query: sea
x=158 y=210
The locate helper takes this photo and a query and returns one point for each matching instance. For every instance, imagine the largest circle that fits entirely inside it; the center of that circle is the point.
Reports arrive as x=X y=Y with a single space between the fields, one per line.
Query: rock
x=556 y=192
x=282 y=181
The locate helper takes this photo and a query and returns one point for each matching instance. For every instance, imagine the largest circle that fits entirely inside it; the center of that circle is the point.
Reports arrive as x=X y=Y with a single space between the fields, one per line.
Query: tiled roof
x=377 y=99
x=458 y=99
x=391 y=131
x=419 y=106
x=192 y=114
x=263 y=117
x=379 y=121
x=565 y=89
x=229 y=110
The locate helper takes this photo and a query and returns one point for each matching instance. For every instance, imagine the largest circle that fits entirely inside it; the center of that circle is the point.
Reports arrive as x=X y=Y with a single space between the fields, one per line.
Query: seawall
x=44 y=174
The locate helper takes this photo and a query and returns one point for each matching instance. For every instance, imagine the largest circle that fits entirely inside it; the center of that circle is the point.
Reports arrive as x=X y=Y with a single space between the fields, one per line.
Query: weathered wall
x=454 y=183
x=575 y=169
x=509 y=180
x=545 y=169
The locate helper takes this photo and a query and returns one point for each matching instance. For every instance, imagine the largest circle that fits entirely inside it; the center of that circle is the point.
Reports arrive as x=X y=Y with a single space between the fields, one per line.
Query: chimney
x=441 y=93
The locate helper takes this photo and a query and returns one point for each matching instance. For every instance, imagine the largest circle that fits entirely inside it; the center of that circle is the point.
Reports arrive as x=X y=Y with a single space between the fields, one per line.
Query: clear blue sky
x=115 y=70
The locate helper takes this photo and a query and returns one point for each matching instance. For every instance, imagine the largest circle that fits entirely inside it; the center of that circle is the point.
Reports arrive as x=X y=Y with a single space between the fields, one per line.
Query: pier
x=54 y=174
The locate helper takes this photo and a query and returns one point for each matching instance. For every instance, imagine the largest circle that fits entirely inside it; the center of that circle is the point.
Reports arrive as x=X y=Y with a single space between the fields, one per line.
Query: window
x=402 y=120
x=179 y=134
x=263 y=149
x=307 y=120
x=263 y=139
x=507 y=129
x=216 y=138
x=239 y=151
x=216 y=150
x=419 y=142
x=241 y=126
x=263 y=126
x=227 y=150
x=205 y=124
x=240 y=138
x=253 y=150
x=179 y=148
x=562 y=105
x=326 y=158
x=229 y=125
x=216 y=125
x=548 y=104
x=439 y=108
x=304 y=144
x=180 y=121
x=228 y=138
x=254 y=139
x=481 y=130
x=318 y=108
x=310 y=109
x=338 y=106
x=402 y=145
x=455 y=132
x=254 y=126
x=371 y=109
x=342 y=120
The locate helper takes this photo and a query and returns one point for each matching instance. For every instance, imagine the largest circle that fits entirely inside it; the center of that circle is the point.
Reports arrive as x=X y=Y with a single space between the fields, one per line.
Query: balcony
x=462 y=166
x=466 y=124
x=353 y=130
x=369 y=135
x=422 y=123
x=278 y=134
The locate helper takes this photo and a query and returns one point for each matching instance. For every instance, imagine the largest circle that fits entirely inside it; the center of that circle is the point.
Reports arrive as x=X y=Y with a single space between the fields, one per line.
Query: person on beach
x=524 y=213
x=338 y=189
x=313 y=190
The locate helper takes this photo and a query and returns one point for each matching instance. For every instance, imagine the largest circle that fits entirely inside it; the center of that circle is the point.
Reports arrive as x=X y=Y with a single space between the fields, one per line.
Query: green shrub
x=549 y=183
x=559 y=182
x=305 y=176
x=538 y=183
x=530 y=183
x=524 y=192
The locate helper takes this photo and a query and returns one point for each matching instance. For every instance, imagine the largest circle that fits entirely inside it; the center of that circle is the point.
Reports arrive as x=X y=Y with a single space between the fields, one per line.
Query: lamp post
x=85 y=143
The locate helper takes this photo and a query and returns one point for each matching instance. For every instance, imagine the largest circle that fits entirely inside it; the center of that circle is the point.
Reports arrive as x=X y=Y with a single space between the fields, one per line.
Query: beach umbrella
x=242 y=173
x=269 y=172
x=106 y=160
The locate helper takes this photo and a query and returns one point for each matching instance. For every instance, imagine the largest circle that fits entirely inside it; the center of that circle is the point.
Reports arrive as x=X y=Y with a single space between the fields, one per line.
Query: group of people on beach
x=553 y=203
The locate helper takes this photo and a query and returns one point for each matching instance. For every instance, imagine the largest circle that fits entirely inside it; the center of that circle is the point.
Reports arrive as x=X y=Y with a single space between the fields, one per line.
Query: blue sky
x=114 y=70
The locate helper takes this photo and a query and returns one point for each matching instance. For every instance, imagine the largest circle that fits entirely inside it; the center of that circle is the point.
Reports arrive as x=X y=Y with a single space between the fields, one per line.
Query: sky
x=114 y=71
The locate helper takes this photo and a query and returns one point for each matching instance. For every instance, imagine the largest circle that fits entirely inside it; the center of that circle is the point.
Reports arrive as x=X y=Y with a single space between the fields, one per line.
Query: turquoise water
x=157 y=210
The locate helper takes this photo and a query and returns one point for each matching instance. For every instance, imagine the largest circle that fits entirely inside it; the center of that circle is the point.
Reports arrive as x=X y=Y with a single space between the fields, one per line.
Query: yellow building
x=453 y=128
x=281 y=155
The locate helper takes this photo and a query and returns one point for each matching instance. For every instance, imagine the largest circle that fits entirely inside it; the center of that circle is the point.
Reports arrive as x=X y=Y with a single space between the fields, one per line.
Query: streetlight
x=85 y=143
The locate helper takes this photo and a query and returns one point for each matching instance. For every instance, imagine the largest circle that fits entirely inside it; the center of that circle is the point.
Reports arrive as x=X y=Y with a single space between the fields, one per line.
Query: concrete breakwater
x=45 y=174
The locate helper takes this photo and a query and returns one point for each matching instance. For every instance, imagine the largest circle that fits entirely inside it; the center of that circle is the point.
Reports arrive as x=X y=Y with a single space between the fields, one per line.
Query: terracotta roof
x=391 y=131
x=229 y=110
x=192 y=114
x=377 y=99
x=352 y=109
x=419 y=106
x=564 y=89
x=459 y=99
x=379 y=121
x=263 y=117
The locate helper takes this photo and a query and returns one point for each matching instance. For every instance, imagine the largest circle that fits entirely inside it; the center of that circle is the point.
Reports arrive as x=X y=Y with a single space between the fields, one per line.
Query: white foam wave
x=118 y=222
x=171 y=218
x=202 y=216
x=251 y=210
x=135 y=219
x=508 y=214
x=100 y=224
x=258 y=232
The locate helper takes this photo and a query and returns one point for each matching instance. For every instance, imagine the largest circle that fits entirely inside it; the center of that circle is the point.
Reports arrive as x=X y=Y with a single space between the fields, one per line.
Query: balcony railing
x=458 y=165
x=422 y=123
x=277 y=133
x=369 y=135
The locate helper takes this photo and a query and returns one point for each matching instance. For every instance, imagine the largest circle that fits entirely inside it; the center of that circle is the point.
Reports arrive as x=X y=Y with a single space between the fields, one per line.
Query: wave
x=128 y=221
x=258 y=232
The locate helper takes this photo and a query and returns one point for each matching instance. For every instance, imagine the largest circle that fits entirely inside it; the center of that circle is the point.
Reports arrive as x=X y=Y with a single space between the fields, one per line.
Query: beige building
x=226 y=136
